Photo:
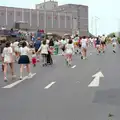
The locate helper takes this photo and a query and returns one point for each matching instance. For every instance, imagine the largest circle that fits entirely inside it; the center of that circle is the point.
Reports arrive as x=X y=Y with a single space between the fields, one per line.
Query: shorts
x=69 y=55
x=103 y=42
x=24 y=59
x=97 y=45
x=113 y=43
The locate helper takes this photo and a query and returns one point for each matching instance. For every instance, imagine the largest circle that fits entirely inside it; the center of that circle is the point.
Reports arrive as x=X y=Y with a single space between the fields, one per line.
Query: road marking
x=96 y=80
x=19 y=81
x=48 y=86
x=73 y=66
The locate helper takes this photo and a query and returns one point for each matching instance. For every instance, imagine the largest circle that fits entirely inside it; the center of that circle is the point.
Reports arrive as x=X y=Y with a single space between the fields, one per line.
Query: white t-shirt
x=16 y=47
x=114 y=40
x=44 y=49
x=7 y=54
x=103 y=38
x=47 y=41
x=84 y=43
x=24 y=51
x=69 y=48
x=63 y=42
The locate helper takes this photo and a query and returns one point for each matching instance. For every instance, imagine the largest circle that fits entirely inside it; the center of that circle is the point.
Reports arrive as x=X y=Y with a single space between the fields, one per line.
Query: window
x=62 y=17
x=18 y=13
x=1 y=13
x=55 y=17
x=9 y=13
x=68 y=17
x=42 y=17
x=54 y=5
x=49 y=17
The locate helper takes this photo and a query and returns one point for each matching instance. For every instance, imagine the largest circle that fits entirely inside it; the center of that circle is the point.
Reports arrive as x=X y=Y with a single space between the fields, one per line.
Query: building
x=79 y=17
x=55 y=19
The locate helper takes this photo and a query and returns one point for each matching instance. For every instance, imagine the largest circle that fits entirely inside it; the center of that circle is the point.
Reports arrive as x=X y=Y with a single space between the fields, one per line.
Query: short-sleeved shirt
x=24 y=51
x=69 y=48
x=44 y=49
x=7 y=54
x=84 y=43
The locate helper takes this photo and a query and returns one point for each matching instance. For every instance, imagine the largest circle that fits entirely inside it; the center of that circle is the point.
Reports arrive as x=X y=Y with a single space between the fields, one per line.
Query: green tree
x=111 y=34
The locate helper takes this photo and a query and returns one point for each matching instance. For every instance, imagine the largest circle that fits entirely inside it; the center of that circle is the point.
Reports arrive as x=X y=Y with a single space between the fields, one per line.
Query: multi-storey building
x=55 y=19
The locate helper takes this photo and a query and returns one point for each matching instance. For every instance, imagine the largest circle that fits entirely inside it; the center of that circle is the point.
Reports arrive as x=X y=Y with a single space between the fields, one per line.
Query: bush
x=118 y=39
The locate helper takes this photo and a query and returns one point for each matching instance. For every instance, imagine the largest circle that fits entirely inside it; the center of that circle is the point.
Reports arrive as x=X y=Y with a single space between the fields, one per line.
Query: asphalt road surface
x=61 y=93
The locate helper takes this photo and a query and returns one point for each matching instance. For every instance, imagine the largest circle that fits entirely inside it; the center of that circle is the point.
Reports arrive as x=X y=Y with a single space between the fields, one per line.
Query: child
x=34 y=58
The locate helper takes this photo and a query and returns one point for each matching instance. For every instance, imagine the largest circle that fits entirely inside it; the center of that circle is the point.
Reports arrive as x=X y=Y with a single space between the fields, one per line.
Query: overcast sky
x=107 y=11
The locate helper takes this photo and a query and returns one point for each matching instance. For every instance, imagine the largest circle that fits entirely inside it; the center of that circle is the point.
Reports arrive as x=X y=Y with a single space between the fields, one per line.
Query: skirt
x=24 y=59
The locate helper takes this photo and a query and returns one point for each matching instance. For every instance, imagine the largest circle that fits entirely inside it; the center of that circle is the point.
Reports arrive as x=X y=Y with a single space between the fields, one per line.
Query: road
x=61 y=93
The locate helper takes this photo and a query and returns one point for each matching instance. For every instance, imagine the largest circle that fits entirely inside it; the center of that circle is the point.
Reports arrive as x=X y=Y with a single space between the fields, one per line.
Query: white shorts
x=84 y=46
x=97 y=46
x=113 y=43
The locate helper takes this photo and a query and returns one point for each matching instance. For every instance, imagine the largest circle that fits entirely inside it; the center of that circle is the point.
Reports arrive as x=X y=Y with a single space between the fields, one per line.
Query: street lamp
x=96 y=19
x=44 y=17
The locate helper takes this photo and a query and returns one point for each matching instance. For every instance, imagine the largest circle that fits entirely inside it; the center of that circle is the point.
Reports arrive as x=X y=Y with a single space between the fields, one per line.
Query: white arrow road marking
x=19 y=81
x=48 y=86
x=96 y=80
x=73 y=66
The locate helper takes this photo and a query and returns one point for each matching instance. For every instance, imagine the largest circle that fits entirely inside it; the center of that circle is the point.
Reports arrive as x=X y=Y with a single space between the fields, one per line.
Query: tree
x=111 y=35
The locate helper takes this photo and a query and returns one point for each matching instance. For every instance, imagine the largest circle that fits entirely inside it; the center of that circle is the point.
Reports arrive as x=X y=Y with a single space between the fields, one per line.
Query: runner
x=16 y=49
x=84 y=44
x=98 y=45
x=69 y=48
x=63 y=43
x=103 y=43
x=114 y=43
x=44 y=52
x=8 y=59
x=24 y=60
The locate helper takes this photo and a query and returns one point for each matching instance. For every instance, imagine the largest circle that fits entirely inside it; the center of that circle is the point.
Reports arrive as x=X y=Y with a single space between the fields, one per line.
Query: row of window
x=42 y=17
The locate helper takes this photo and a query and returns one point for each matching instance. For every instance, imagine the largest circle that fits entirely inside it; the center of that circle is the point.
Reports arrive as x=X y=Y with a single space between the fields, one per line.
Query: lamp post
x=44 y=17
x=96 y=30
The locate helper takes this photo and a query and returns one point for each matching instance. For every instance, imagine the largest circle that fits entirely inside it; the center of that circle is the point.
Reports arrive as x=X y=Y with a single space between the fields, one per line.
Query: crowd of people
x=27 y=53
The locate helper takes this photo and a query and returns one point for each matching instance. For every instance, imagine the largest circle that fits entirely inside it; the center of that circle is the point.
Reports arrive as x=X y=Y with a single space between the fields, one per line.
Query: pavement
x=59 y=92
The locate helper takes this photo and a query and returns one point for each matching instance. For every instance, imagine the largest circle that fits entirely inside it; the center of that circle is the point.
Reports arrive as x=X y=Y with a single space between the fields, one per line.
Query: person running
x=44 y=52
x=16 y=49
x=103 y=43
x=8 y=59
x=84 y=44
x=98 y=45
x=63 y=43
x=37 y=45
x=69 y=48
x=24 y=60
x=114 y=43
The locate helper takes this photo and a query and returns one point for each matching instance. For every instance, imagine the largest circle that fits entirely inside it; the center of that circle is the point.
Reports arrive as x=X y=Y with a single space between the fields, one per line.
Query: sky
x=106 y=11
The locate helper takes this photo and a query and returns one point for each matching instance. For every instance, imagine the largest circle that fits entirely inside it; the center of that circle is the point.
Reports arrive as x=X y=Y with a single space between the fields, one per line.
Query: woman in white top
x=24 y=59
x=44 y=51
x=8 y=59
x=69 y=48
x=84 y=44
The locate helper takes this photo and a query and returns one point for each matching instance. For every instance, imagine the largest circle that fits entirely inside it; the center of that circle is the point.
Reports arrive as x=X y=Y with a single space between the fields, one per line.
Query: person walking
x=24 y=60
x=8 y=59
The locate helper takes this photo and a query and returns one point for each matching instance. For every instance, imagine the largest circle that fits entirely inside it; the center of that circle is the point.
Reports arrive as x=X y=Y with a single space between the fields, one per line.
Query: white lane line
x=73 y=66
x=48 y=86
x=19 y=81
